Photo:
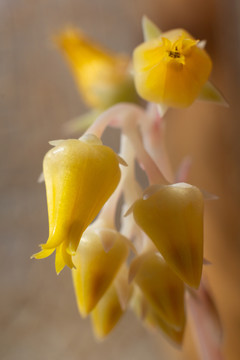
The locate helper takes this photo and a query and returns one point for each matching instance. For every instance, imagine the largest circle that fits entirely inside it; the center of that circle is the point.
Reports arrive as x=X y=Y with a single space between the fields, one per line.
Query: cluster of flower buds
x=161 y=226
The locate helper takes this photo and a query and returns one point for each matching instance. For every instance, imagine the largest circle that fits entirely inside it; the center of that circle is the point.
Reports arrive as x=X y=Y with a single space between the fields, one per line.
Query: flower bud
x=95 y=268
x=103 y=78
x=162 y=288
x=172 y=217
x=151 y=319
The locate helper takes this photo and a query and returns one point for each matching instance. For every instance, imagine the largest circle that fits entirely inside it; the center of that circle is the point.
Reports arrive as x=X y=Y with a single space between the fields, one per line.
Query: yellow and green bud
x=162 y=288
x=172 y=217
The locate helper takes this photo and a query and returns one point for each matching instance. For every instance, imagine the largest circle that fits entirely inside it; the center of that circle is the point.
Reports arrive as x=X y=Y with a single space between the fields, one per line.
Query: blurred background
x=39 y=318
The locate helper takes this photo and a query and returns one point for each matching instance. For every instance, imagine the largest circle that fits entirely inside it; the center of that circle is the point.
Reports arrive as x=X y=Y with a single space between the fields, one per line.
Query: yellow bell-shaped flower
x=151 y=319
x=80 y=175
x=171 y=69
x=103 y=77
x=154 y=320
x=172 y=217
x=95 y=268
x=162 y=288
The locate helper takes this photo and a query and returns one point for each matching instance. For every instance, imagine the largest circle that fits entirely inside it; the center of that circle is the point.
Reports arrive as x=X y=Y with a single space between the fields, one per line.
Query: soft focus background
x=39 y=318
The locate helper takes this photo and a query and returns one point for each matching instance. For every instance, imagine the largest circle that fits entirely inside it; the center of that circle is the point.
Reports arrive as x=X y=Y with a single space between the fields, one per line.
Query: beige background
x=39 y=318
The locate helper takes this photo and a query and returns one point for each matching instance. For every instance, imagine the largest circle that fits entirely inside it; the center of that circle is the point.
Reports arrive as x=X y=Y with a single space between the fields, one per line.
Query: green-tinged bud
x=162 y=288
x=172 y=216
x=95 y=268
x=80 y=176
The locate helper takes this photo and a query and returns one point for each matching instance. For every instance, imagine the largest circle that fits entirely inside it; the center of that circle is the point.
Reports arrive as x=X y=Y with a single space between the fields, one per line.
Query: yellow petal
x=42 y=254
x=107 y=313
x=96 y=269
x=162 y=288
x=173 y=219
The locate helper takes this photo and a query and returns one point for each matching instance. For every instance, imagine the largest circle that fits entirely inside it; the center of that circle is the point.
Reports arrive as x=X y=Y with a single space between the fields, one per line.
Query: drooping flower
x=172 y=217
x=163 y=289
x=80 y=175
x=103 y=77
x=95 y=269
x=152 y=320
x=170 y=68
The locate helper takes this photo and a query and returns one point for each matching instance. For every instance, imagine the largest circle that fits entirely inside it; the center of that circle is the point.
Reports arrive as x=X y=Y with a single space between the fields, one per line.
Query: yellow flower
x=95 y=268
x=80 y=176
x=103 y=77
x=170 y=69
x=151 y=318
x=172 y=217
x=162 y=288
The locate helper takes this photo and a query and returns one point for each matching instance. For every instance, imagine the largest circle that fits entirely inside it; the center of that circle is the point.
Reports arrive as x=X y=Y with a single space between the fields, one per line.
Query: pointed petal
x=59 y=260
x=42 y=254
x=208 y=196
x=162 y=109
x=122 y=161
x=150 y=30
x=210 y=93
x=202 y=44
x=55 y=142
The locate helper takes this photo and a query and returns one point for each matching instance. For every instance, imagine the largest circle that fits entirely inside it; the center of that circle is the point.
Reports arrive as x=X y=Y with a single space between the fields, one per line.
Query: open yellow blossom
x=172 y=217
x=171 y=69
x=103 y=77
x=80 y=175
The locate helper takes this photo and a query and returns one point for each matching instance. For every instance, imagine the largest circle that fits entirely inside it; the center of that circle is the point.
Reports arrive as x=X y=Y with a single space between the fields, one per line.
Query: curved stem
x=127 y=117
